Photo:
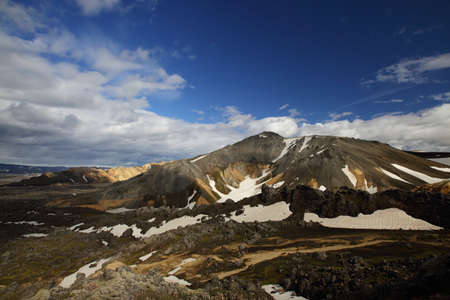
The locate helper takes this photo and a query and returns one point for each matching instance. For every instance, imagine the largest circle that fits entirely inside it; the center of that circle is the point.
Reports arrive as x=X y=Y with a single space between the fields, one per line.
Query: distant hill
x=430 y=154
x=21 y=169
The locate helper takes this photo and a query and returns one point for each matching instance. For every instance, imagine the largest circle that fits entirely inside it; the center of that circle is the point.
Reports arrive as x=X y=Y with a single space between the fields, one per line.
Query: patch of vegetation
x=30 y=260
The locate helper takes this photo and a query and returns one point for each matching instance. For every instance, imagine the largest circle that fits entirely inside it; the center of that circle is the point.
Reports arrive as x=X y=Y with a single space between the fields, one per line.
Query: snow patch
x=174 y=279
x=34 y=223
x=87 y=230
x=306 y=140
x=278 y=184
x=278 y=293
x=189 y=204
x=370 y=189
x=392 y=175
x=322 y=188
x=119 y=210
x=212 y=184
x=151 y=220
x=37 y=235
x=119 y=229
x=262 y=136
x=320 y=151
x=274 y=212
x=174 y=224
x=442 y=169
x=178 y=268
x=198 y=158
x=75 y=226
x=421 y=176
x=349 y=175
x=288 y=143
x=87 y=270
x=247 y=188
x=84 y=178
x=391 y=218
x=147 y=256
x=105 y=243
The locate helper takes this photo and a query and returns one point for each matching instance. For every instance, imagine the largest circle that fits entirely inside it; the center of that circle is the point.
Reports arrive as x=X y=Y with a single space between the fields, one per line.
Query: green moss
x=51 y=257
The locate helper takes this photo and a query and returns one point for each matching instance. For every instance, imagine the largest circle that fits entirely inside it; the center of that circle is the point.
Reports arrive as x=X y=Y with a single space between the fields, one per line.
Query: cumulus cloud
x=411 y=70
x=93 y=7
x=424 y=130
x=24 y=18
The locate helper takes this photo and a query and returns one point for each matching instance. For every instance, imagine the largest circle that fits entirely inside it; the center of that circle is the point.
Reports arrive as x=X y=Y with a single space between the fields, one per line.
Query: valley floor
x=46 y=253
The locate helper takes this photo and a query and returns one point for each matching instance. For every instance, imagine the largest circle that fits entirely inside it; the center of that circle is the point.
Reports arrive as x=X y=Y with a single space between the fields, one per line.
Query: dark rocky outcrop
x=432 y=207
x=354 y=278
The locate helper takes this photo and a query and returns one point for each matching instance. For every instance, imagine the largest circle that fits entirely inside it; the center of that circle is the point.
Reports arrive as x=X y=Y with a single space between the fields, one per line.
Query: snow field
x=391 y=218
x=274 y=212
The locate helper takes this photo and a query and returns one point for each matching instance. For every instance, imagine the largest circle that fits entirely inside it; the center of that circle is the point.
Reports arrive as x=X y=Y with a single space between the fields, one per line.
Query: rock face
x=321 y=162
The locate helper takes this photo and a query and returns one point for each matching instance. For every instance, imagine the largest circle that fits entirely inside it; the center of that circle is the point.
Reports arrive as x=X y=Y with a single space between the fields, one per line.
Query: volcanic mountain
x=238 y=171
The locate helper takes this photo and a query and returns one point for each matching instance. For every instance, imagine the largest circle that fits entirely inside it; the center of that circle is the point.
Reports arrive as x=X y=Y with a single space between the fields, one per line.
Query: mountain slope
x=239 y=170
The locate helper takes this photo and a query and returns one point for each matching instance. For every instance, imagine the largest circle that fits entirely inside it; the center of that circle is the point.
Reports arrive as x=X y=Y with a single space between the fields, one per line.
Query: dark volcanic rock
x=432 y=207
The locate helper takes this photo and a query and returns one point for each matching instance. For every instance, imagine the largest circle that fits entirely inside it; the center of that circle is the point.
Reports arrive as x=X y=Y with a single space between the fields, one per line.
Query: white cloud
x=389 y=101
x=336 y=116
x=157 y=81
x=441 y=97
x=284 y=106
x=24 y=18
x=412 y=70
x=67 y=102
x=425 y=130
x=93 y=7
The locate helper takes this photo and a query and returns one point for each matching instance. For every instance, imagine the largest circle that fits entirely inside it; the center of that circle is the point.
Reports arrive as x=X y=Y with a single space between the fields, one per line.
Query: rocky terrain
x=244 y=222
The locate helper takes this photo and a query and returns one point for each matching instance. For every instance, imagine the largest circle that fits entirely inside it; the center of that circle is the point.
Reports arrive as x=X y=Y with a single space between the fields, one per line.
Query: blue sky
x=109 y=82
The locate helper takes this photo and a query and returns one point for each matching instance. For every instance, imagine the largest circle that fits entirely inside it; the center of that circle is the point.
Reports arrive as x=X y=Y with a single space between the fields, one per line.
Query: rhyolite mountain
x=83 y=175
x=239 y=170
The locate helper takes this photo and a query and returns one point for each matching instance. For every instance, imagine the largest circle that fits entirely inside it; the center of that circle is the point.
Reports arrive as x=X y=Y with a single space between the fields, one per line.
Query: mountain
x=21 y=169
x=83 y=175
x=239 y=170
